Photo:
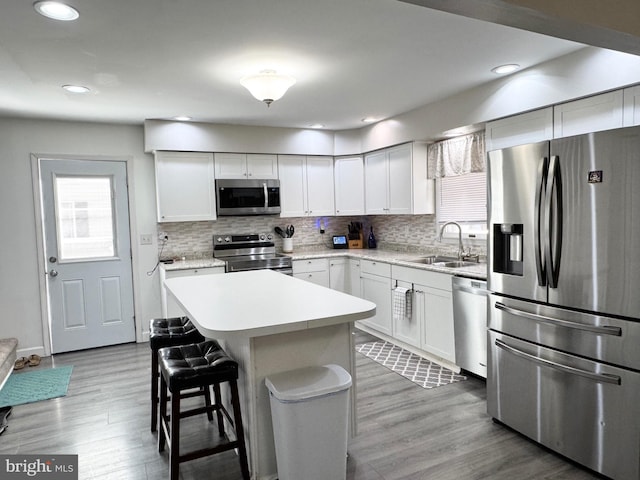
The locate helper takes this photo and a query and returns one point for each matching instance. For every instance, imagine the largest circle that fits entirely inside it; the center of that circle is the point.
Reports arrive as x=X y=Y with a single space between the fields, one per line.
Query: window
x=463 y=199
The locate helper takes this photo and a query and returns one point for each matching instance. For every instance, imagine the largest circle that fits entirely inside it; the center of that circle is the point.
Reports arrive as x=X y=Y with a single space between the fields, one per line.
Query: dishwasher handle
x=475 y=287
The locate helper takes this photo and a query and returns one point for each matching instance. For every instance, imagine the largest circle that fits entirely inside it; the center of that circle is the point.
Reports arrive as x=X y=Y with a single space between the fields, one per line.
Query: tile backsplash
x=394 y=232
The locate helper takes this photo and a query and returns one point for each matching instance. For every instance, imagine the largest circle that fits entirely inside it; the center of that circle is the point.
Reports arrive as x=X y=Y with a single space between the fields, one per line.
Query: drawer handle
x=597 y=377
x=604 y=330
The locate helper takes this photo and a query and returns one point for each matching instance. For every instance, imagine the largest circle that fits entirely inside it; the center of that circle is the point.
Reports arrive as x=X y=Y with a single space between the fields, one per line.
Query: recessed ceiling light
x=56 y=10
x=182 y=118
x=316 y=125
x=75 y=88
x=369 y=119
x=504 y=69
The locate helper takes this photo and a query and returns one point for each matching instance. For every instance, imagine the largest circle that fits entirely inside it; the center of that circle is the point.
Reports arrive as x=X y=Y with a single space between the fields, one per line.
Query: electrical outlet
x=146 y=239
x=162 y=237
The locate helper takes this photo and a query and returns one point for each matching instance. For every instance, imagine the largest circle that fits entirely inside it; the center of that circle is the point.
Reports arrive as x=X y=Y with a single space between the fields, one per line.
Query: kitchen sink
x=441 y=261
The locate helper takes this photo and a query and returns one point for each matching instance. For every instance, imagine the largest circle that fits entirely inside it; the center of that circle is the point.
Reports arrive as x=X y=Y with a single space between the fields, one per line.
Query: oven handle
x=597 y=377
x=604 y=330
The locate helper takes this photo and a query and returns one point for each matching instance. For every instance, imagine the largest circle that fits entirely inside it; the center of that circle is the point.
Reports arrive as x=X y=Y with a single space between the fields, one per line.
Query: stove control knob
x=269 y=237
x=219 y=240
x=227 y=239
x=262 y=236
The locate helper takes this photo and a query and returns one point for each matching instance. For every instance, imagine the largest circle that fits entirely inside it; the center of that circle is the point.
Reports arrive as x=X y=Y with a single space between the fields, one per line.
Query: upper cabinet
x=396 y=181
x=185 y=186
x=306 y=185
x=349 y=185
x=591 y=114
x=246 y=165
x=528 y=127
x=631 y=100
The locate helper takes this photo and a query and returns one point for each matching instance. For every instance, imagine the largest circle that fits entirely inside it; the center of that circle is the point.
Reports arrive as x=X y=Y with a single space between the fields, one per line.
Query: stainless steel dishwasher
x=470 y=324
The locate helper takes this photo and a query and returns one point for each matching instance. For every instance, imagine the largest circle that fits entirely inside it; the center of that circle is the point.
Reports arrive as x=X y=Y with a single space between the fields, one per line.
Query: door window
x=85 y=218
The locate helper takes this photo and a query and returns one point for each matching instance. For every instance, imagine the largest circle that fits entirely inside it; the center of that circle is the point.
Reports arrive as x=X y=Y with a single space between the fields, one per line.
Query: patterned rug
x=29 y=387
x=417 y=369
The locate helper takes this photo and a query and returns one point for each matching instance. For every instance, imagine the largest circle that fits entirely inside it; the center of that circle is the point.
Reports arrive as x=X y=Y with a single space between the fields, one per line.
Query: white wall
x=20 y=315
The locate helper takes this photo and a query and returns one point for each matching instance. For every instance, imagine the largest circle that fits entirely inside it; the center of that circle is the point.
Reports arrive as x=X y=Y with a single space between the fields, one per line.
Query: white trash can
x=310 y=411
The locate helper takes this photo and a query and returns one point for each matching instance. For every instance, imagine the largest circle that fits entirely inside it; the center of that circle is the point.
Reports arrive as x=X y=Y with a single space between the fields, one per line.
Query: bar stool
x=203 y=365
x=169 y=332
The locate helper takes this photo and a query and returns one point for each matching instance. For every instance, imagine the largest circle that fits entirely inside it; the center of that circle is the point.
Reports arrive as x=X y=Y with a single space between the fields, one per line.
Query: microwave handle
x=266 y=195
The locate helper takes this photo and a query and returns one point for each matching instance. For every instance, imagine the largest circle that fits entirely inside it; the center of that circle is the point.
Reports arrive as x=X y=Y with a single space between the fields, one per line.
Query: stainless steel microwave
x=247 y=197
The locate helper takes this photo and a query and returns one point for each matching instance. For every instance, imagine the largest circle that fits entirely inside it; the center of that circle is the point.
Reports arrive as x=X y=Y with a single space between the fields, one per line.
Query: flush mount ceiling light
x=267 y=86
x=369 y=119
x=75 y=88
x=504 y=69
x=182 y=118
x=56 y=10
x=316 y=125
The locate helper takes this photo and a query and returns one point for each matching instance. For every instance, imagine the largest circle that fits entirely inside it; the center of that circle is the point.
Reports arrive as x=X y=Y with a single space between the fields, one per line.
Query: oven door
x=586 y=410
x=248 y=197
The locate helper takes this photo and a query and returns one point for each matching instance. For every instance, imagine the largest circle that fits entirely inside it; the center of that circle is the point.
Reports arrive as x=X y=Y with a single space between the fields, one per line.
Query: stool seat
x=168 y=332
x=201 y=365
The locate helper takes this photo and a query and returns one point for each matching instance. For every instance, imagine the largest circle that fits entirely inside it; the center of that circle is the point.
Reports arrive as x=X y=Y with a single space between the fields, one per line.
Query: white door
x=88 y=254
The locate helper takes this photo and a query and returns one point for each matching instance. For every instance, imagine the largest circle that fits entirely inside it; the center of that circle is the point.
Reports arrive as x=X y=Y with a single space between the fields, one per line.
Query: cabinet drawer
x=193 y=271
x=319 y=278
x=310 y=265
x=375 y=268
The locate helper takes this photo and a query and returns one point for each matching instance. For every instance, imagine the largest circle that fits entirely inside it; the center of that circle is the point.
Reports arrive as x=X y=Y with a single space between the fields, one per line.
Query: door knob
x=53 y=273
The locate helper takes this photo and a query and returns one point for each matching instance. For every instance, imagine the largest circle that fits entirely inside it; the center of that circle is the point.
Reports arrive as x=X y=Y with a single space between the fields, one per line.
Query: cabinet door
x=231 y=165
x=319 y=278
x=437 y=332
x=291 y=172
x=170 y=307
x=319 y=183
x=338 y=276
x=530 y=127
x=407 y=328
x=262 y=166
x=349 y=186
x=631 y=106
x=375 y=183
x=400 y=180
x=185 y=189
x=592 y=114
x=378 y=290
x=353 y=282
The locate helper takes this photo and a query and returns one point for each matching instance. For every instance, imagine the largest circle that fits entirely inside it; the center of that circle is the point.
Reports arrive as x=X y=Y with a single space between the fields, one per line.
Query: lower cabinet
x=408 y=328
x=169 y=306
x=354 y=286
x=375 y=284
x=314 y=270
x=339 y=274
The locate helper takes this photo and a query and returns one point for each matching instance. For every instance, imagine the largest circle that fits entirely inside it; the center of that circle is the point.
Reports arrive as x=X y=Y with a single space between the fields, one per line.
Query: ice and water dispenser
x=507 y=248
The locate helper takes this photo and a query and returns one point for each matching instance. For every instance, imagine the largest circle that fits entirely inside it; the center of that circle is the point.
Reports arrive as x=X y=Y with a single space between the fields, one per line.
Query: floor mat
x=29 y=387
x=417 y=369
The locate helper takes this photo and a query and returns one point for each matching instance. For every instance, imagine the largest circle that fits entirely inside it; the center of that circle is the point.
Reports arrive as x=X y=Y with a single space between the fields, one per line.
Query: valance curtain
x=457 y=156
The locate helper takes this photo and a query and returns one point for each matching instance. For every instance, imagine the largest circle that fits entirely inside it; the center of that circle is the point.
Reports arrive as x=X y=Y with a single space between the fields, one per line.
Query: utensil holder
x=287 y=245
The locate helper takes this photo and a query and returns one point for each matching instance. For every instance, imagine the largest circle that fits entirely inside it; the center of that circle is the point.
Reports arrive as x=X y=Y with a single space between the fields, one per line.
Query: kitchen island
x=269 y=323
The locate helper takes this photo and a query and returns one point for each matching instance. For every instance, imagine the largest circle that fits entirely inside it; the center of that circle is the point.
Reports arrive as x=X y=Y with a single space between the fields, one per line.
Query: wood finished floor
x=405 y=432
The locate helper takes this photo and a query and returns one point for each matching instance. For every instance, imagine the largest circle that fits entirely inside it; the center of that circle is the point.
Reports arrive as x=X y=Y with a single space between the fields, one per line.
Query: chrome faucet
x=460 y=246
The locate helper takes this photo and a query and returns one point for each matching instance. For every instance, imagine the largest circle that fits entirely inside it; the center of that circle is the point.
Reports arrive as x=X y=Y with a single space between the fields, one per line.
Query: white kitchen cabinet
x=349 y=185
x=408 y=329
x=375 y=282
x=314 y=270
x=631 y=100
x=591 y=114
x=353 y=278
x=169 y=306
x=339 y=274
x=306 y=185
x=433 y=311
x=246 y=165
x=529 y=127
x=396 y=181
x=185 y=189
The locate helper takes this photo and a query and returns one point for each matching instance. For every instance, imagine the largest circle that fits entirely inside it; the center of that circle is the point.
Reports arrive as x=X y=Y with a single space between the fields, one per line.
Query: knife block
x=356 y=243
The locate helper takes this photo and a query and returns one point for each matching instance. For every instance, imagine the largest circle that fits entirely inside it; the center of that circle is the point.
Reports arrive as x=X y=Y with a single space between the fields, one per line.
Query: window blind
x=463 y=198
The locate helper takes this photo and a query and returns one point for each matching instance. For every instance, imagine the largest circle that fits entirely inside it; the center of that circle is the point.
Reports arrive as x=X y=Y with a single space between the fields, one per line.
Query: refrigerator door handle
x=597 y=377
x=600 y=330
x=553 y=223
x=541 y=183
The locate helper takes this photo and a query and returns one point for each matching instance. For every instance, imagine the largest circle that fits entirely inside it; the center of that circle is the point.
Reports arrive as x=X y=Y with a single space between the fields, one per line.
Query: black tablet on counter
x=340 y=241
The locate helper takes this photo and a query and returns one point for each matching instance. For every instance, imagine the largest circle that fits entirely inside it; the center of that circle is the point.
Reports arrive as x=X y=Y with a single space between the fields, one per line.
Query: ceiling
x=155 y=59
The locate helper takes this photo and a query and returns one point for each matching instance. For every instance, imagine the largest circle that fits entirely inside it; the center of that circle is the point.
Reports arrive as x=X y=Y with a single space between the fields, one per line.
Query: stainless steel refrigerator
x=564 y=312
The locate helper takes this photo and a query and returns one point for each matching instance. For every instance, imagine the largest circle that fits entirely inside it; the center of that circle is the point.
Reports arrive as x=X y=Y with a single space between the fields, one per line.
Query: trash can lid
x=304 y=383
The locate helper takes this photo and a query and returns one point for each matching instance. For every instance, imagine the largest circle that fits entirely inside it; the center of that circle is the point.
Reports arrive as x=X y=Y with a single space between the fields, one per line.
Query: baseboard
x=25 y=352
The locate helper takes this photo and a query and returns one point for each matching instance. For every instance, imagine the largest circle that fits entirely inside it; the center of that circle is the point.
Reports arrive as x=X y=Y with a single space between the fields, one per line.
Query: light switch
x=146 y=239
